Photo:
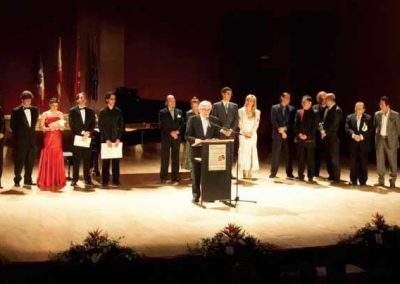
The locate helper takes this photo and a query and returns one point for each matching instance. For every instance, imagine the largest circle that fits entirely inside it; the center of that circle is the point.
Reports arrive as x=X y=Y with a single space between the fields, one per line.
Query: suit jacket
x=2 y=122
x=111 y=124
x=230 y=119
x=76 y=122
x=279 y=120
x=365 y=130
x=167 y=124
x=332 y=120
x=307 y=125
x=24 y=136
x=393 y=128
x=194 y=130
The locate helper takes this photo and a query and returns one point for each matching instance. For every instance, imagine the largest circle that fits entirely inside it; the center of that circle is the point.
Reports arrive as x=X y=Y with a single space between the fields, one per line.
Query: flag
x=77 y=84
x=59 y=69
x=40 y=81
x=93 y=63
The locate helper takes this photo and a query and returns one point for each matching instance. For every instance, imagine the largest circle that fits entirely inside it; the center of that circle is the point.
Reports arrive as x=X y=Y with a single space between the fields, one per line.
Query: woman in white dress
x=249 y=120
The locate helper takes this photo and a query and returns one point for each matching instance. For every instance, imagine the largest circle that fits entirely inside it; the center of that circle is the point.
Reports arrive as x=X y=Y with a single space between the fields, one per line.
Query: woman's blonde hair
x=253 y=99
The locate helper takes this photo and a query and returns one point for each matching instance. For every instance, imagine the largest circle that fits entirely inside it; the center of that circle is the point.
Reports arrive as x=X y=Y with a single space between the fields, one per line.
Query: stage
x=160 y=220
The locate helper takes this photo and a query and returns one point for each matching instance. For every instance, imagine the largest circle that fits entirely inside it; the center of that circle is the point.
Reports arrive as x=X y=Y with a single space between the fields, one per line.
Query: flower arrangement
x=97 y=248
x=376 y=233
x=231 y=241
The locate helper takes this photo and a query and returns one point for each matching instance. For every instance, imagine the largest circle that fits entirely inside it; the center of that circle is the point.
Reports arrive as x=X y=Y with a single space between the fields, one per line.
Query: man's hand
x=302 y=136
x=174 y=134
x=284 y=135
x=323 y=134
x=117 y=143
x=197 y=141
x=109 y=143
x=357 y=138
x=248 y=135
x=228 y=133
x=281 y=130
x=86 y=134
x=1 y=136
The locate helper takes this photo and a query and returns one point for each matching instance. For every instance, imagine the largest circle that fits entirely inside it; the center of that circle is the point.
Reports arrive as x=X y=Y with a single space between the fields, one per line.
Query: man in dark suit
x=358 y=128
x=319 y=109
x=200 y=127
x=82 y=121
x=282 y=120
x=171 y=124
x=2 y=137
x=305 y=126
x=111 y=127
x=227 y=113
x=23 y=123
x=332 y=120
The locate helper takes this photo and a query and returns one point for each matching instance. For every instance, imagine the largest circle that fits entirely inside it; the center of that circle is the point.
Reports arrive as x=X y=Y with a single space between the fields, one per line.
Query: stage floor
x=160 y=220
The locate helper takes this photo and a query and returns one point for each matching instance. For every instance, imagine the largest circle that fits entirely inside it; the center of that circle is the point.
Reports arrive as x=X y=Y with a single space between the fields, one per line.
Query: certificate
x=80 y=142
x=59 y=123
x=111 y=152
x=217 y=157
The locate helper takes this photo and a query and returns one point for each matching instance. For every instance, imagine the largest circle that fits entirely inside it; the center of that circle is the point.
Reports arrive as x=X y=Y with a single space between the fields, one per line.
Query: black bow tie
x=26 y=108
x=81 y=108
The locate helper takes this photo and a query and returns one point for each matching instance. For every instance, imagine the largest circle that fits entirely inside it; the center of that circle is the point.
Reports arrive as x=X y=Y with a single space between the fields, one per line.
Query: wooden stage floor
x=160 y=220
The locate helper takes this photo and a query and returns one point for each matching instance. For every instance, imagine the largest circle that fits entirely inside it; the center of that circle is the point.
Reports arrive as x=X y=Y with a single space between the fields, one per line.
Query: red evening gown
x=51 y=164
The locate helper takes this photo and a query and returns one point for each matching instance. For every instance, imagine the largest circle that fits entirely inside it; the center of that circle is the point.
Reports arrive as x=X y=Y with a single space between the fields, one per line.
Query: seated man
x=200 y=127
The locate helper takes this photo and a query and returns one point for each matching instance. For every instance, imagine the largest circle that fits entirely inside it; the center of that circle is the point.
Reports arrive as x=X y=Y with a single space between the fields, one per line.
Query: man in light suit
x=359 y=128
x=282 y=120
x=387 y=132
x=200 y=127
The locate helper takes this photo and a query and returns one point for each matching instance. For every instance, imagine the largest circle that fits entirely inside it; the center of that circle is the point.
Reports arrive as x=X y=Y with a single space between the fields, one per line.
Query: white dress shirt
x=205 y=123
x=28 y=115
x=385 y=118
x=83 y=114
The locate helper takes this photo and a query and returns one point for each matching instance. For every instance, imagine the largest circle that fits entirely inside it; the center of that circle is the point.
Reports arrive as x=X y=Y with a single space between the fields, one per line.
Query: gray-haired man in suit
x=387 y=132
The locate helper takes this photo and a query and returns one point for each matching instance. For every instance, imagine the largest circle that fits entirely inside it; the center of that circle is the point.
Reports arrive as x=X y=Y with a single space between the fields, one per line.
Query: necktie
x=302 y=115
x=325 y=114
x=226 y=107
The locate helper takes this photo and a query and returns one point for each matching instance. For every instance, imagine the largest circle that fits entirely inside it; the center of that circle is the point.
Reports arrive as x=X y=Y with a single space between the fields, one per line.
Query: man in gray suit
x=387 y=132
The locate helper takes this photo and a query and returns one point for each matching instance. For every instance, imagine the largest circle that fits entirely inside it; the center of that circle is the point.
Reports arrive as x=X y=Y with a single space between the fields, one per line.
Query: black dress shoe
x=89 y=183
x=301 y=178
x=195 y=200
x=74 y=182
x=311 y=181
x=116 y=183
x=104 y=183
x=353 y=183
x=272 y=176
x=16 y=184
x=163 y=181
x=290 y=176
x=29 y=183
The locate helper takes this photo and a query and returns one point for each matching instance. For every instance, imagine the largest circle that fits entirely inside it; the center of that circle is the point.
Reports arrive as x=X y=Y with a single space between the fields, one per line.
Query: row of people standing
x=82 y=121
x=316 y=129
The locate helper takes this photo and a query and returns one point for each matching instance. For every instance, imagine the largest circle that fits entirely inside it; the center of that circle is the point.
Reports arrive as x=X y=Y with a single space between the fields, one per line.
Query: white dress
x=248 y=155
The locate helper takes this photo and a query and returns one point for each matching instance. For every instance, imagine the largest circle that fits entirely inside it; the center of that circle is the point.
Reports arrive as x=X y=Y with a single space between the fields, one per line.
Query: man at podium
x=200 y=127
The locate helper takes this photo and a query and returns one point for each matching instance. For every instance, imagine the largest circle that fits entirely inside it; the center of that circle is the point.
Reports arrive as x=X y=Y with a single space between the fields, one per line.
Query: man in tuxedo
x=200 y=127
x=305 y=126
x=282 y=120
x=319 y=109
x=82 y=121
x=2 y=137
x=23 y=123
x=111 y=126
x=332 y=120
x=358 y=128
x=171 y=124
x=387 y=132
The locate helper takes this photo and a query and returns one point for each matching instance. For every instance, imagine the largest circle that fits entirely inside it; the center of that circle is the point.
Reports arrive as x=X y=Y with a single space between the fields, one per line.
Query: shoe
x=392 y=184
x=16 y=184
x=89 y=183
x=300 y=178
x=74 y=182
x=311 y=181
x=1 y=186
x=381 y=182
x=363 y=183
x=104 y=183
x=195 y=200
x=29 y=183
x=335 y=181
x=116 y=183
x=163 y=181
x=352 y=183
x=233 y=177
x=290 y=176
x=272 y=176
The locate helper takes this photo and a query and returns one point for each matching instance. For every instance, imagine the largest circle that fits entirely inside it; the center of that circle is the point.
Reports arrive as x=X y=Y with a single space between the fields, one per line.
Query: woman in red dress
x=51 y=174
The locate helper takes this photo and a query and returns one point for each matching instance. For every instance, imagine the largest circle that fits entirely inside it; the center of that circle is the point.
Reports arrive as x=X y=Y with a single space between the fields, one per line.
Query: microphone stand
x=237 y=198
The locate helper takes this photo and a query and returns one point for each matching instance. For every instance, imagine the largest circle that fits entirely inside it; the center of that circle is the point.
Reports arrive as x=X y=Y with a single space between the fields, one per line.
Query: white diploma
x=111 y=152
x=59 y=123
x=80 y=142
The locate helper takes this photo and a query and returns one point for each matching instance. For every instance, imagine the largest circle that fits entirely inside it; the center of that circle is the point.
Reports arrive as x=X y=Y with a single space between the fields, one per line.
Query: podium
x=216 y=166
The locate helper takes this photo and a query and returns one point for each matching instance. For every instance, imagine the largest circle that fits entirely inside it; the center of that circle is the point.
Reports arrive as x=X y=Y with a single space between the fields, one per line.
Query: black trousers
x=196 y=178
x=23 y=159
x=81 y=153
x=305 y=153
x=282 y=147
x=169 y=147
x=358 y=164
x=105 y=170
x=332 y=148
x=318 y=153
